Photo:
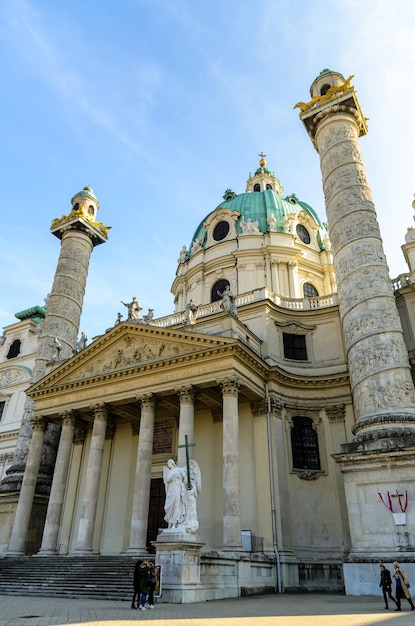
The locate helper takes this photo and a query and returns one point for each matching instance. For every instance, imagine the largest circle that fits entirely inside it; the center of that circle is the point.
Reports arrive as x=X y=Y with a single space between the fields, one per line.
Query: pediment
x=128 y=347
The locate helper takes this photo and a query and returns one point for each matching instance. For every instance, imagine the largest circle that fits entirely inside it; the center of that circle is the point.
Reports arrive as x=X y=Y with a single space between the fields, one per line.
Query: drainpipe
x=272 y=486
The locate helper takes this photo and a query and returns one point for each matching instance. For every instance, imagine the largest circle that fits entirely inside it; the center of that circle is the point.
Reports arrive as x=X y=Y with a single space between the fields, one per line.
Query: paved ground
x=271 y=610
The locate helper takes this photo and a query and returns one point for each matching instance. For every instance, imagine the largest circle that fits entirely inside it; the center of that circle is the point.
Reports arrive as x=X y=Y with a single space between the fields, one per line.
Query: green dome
x=258 y=206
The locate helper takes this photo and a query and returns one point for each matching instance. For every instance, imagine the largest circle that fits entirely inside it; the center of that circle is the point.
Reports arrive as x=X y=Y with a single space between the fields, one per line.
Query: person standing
x=136 y=585
x=144 y=584
x=386 y=585
x=402 y=587
x=152 y=581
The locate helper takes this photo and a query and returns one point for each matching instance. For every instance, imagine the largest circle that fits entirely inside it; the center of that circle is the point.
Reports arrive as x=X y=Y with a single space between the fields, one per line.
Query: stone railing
x=400 y=281
x=298 y=304
x=305 y=304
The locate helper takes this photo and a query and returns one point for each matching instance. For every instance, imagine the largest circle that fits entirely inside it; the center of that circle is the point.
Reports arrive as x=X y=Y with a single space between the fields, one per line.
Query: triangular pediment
x=125 y=348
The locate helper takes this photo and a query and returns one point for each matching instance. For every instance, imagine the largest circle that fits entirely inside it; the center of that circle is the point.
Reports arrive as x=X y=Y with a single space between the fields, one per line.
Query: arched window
x=324 y=89
x=269 y=186
x=309 y=291
x=220 y=287
x=14 y=349
x=257 y=187
x=304 y=444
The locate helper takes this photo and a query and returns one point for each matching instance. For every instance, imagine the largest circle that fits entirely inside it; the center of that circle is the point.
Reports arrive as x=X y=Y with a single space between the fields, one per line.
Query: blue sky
x=160 y=105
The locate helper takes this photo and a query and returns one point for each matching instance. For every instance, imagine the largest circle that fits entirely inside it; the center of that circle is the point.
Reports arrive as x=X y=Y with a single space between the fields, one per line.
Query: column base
x=47 y=552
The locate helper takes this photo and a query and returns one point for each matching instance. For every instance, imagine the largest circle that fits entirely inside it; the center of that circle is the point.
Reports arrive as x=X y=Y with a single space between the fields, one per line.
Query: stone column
x=186 y=422
x=57 y=492
x=380 y=374
x=18 y=538
x=141 y=498
x=293 y=280
x=93 y=474
x=232 y=539
x=275 y=277
x=79 y=234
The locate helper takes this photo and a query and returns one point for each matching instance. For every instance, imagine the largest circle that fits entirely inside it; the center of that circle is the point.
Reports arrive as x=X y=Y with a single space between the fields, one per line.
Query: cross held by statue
x=187 y=445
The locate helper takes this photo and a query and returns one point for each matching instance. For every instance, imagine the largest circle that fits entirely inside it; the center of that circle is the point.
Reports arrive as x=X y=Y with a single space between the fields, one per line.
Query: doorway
x=156 y=512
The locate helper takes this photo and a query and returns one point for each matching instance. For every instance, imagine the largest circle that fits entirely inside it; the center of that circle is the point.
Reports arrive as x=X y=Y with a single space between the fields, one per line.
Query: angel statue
x=182 y=490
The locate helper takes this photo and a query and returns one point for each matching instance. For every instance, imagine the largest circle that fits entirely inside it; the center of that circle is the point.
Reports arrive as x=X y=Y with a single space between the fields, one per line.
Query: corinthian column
x=380 y=375
x=186 y=422
x=93 y=474
x=232 y=539
x=27 y=492
x=57 y=492
x=141 y=498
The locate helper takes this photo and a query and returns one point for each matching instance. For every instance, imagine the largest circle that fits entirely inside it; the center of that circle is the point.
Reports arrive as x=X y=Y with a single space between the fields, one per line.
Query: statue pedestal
x=178 y=553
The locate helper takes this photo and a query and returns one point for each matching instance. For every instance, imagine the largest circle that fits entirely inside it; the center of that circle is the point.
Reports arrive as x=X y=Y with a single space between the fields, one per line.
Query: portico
x=127 y=399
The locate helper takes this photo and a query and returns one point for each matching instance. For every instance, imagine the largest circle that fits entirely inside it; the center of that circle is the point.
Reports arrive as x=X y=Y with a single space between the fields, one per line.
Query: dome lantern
x=263 y=179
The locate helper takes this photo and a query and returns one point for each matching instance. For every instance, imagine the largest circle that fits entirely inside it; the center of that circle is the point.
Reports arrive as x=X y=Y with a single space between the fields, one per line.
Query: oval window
x=303 y=233
x=220 y=231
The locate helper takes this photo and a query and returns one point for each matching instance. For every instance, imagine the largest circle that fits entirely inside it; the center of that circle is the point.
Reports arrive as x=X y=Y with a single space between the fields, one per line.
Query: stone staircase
x=106 y=577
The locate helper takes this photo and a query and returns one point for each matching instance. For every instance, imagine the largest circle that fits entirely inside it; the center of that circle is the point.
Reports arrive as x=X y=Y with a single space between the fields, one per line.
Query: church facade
x=285 y=371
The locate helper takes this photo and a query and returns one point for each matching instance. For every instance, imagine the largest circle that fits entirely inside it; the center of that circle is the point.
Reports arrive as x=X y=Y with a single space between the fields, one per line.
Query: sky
x=161 y=105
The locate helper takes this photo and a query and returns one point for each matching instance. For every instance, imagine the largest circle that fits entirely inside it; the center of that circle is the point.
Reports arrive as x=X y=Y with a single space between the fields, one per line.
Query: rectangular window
x=304 y=444
x=2 y=405
x=295 y=347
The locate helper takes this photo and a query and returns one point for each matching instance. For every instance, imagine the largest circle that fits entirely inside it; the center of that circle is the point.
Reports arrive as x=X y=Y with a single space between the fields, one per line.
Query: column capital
x=186 y=393
x=147 y=400
x=229 y=386
x=336 y=413
x=39 y=422
x=100 y=411
x=68 y=418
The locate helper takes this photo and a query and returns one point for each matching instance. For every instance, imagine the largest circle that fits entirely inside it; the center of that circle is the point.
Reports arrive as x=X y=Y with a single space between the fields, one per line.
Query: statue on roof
x=190 y=313
x=182 y=255
x=133 y=308
x=272 y=223
x=197 y=245
x=249 y=227
x=81 y=343
x=147 y=319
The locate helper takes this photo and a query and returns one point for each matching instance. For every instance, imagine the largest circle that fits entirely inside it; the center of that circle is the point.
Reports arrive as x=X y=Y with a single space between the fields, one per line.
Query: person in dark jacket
x=145 y=586
x=136 y=585
x=386 y=585
x=152 y=580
